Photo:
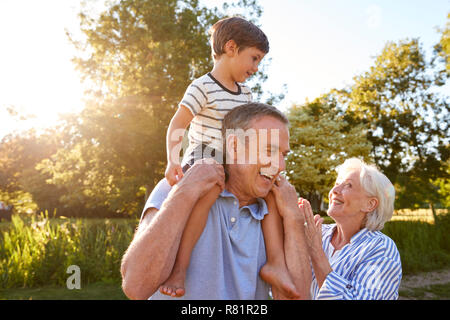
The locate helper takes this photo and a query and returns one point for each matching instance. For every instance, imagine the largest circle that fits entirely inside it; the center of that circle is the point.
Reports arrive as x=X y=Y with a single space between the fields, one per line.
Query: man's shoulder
x=158 y=195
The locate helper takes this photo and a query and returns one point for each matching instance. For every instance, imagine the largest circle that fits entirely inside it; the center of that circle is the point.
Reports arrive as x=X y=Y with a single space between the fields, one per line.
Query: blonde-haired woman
x=352 y=259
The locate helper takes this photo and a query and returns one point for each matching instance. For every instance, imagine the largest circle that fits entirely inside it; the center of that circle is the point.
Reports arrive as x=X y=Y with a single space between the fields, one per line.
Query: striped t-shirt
x=209 y=101
x=367 y=268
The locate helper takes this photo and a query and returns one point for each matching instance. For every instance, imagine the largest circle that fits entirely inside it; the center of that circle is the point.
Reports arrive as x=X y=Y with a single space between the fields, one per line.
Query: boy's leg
x=275 y=271
x=174 y=285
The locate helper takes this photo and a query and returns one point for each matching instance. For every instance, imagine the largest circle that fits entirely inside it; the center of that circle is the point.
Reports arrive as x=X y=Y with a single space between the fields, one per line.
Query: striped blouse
x=209 y=101
x=367 y=268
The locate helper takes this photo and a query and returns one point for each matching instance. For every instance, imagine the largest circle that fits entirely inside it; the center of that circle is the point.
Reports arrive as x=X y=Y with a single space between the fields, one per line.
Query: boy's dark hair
x=243 y=32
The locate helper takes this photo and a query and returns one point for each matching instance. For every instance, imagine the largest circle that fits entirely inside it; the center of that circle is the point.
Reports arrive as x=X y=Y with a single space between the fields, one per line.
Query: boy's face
x=245 y=63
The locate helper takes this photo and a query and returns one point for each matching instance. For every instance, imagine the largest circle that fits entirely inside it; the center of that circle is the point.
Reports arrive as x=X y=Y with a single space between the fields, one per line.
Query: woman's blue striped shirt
x=367 y=268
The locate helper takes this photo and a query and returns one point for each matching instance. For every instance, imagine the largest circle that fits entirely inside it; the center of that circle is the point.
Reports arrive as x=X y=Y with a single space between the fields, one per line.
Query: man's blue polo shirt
x=226 y=260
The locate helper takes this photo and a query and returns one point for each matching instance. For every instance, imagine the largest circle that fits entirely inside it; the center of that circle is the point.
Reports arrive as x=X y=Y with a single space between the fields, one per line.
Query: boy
x=238 y=47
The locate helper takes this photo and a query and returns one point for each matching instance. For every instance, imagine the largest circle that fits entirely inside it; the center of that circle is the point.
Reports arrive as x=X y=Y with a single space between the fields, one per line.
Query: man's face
x=260 y=157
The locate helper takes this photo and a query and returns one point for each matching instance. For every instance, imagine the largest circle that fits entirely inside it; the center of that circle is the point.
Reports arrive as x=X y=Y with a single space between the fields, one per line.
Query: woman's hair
x=377 y=185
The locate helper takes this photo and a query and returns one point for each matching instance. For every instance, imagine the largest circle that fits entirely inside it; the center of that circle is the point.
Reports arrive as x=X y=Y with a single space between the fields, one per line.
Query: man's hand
x=203 y=176
x=173 y=173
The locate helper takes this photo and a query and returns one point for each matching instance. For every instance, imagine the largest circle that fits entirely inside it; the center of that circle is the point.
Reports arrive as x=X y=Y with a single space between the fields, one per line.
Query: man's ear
x=231 y=145
x=230 y=48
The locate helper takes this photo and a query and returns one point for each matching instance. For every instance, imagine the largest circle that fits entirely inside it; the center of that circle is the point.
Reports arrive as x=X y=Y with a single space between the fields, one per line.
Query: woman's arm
x=313 y=232
x=377 y=277
x=374 y=279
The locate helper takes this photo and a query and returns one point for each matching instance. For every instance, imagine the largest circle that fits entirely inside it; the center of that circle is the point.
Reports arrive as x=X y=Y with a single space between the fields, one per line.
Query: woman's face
x=348 y=198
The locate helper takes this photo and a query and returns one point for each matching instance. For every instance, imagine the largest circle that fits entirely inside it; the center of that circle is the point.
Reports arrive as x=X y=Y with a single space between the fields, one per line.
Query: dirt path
x=423 y=281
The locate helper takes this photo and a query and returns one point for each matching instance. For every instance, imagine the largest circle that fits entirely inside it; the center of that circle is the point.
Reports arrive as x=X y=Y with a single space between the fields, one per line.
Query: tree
x=442 y=49
x=443 y=185
x=20 y=183
x=139 y=57
x=321 y=139
x=408 y=121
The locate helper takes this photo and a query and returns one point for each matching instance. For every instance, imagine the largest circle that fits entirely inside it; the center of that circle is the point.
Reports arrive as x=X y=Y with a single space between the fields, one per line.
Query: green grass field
x=432 y=292
x=95 y=291
x=36 y=251
x=101 y=291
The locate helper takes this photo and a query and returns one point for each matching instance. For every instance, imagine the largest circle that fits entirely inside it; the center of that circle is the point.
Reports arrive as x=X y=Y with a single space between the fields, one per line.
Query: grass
x=431 y=292
x=95 y=291
x=36 y=251
x=102 y=291
x=423 y=246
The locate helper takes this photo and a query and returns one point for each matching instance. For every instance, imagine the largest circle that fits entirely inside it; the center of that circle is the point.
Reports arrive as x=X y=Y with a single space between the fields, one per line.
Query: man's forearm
x=297 y=258
x=151 y=255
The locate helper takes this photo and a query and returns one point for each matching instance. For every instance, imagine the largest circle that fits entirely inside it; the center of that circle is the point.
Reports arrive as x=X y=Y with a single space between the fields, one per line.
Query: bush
x=37 y=251
x=422 y=246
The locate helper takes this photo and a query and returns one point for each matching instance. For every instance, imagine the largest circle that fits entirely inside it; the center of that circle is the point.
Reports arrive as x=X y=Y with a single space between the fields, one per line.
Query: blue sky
x=315 y=46
x=320 y=45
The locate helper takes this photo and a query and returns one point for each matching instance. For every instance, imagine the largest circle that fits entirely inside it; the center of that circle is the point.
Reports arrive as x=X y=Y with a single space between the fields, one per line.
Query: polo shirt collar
x=258 y=210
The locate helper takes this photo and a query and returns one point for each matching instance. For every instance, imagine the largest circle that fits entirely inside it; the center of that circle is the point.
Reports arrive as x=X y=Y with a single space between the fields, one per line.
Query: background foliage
x=138 y=58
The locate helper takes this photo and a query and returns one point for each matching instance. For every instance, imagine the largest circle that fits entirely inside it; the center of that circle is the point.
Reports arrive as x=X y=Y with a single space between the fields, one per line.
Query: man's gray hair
x=377 y=185
x=242 y=116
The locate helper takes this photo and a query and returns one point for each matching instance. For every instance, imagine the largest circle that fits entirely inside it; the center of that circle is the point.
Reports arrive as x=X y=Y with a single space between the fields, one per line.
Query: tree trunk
x=434 y=212
x=315 y=200
x=147 y=193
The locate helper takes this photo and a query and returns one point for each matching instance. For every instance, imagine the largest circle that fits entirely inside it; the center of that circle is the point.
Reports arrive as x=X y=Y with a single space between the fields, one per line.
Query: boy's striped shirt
x=367 y=268
x=209 y=101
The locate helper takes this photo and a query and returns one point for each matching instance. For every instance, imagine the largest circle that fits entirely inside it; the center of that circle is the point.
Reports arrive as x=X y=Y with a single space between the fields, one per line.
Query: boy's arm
x=295 y=248
x=175 y=134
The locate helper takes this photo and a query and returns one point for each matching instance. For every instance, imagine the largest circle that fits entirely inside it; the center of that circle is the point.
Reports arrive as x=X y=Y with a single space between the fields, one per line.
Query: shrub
x=37 y=251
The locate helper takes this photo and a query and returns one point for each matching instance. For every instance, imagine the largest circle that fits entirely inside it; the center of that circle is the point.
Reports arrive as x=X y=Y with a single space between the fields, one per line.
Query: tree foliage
x=139 y=57
x=443 y=186
x=21 y=184
x=443 y=47
x=408 y=120
x=321 y=138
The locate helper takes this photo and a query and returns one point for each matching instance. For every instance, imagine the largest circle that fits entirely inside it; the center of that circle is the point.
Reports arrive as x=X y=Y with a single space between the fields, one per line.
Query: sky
x=314 y=46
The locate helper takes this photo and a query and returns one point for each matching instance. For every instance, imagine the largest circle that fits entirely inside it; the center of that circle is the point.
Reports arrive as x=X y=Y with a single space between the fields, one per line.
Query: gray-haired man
x=227 y=258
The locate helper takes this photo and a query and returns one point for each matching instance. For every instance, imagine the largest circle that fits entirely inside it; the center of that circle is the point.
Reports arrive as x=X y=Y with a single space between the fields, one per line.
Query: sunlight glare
x=37 y=75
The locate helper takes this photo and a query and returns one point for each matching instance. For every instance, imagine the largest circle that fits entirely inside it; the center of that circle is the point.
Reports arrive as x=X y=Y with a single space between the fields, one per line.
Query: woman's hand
x=313 y=235
x=313 y=226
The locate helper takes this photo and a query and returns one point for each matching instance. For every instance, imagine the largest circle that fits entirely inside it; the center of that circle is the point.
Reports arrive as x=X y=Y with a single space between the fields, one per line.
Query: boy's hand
x=172 y=171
